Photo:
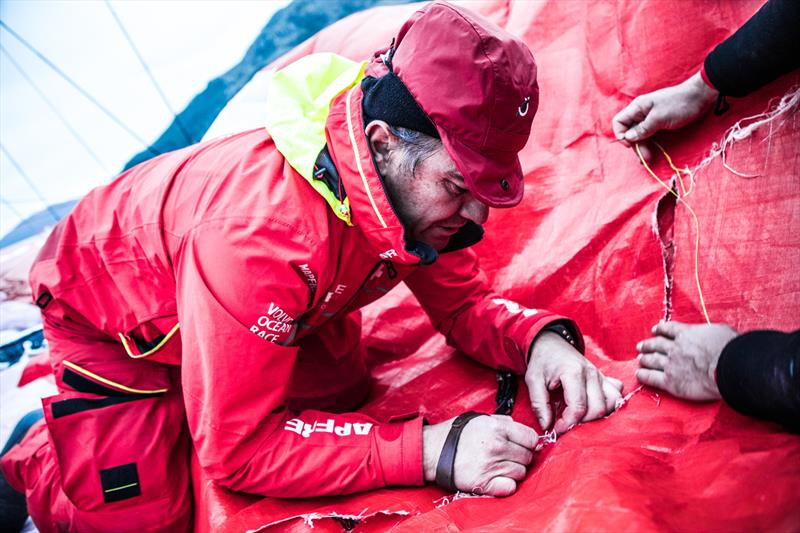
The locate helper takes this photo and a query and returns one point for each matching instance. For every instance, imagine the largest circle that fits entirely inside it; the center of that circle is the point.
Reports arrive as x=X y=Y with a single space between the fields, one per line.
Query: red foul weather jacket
x=227 y=260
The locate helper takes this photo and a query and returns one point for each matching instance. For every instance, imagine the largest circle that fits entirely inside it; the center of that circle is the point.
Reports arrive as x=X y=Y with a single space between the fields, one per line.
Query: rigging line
x=30 y=183
x=78 y=88
x=147 y=70
x=10 y=206
x=55 y=110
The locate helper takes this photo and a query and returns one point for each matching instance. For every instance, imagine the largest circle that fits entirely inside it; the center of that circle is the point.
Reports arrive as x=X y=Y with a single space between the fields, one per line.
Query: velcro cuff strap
x=447 y=459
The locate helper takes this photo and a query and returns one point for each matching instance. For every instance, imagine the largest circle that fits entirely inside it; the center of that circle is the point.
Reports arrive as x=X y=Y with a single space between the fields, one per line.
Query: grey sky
x=185 y=44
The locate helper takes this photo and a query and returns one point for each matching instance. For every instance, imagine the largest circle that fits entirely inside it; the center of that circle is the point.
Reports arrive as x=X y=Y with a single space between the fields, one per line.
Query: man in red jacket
x=209 y=297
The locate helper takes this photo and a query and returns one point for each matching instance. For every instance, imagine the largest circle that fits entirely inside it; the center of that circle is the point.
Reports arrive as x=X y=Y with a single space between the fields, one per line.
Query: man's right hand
x=492 y=455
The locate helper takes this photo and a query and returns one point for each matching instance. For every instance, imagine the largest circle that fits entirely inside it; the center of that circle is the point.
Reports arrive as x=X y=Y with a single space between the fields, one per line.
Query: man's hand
x=492 y=455
x=588 y=394
x=665 y=109
x=682 y=358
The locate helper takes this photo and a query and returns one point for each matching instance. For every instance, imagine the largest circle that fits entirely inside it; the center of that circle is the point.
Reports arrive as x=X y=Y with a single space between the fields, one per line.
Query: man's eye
x=454 y=189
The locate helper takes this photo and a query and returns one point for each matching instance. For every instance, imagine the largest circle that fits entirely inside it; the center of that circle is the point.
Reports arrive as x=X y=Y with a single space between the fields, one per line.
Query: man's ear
x=380 y=141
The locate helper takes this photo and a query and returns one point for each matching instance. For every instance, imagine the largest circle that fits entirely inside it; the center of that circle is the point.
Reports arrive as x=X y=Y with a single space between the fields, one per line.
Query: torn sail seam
x=680 y=198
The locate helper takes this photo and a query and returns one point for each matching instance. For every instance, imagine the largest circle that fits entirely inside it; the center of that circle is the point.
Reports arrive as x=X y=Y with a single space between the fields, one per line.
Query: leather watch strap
x=447 y=458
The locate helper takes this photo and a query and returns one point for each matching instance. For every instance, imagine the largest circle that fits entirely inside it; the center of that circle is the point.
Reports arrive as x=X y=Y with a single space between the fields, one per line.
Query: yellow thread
x=122 y=487
x=678 y=172
x=691 y=211
x=92 y=375
x=358 y=159
x=158 y=346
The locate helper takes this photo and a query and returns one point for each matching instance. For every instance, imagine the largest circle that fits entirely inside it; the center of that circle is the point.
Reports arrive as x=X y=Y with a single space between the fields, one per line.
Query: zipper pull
x=390 y=270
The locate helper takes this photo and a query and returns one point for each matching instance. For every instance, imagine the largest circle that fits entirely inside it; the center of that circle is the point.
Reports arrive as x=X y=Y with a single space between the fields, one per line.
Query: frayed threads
x=447 y=500
x=548 y=438
x=747 y=126
x=622 y=401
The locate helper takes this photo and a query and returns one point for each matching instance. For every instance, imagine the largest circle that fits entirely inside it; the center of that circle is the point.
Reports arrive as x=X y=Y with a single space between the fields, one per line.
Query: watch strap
x=447 y=458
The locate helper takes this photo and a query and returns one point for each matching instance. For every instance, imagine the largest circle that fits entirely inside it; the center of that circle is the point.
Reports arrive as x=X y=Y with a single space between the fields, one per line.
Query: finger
x=619 y=125
x=660 y=345
x=612 y=395
x=574 y=386
x=617 y=384
x=515 y=471
x=518 y=454
x=631 y=115
x=521 y=435
x=654 y=361
x=653 y=378
x=669 y=329
x=623 y=142
x=619 y=133
x=645 y=128
x=499 y=486
x=595 y=399
x=540 y=401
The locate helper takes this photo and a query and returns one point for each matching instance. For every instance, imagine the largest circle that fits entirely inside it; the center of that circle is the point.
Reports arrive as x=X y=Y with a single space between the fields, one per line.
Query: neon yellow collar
x=298 y=102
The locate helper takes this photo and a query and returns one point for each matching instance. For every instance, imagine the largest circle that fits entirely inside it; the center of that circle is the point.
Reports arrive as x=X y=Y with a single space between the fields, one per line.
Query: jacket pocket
x=119 y=454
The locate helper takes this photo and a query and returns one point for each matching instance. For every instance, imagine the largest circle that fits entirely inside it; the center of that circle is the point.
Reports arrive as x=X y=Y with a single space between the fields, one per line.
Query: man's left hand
x=682 y=358
x=588 y=394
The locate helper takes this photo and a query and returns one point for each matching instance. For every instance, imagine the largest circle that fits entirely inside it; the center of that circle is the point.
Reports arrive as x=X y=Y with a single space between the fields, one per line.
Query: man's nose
x=475 y=210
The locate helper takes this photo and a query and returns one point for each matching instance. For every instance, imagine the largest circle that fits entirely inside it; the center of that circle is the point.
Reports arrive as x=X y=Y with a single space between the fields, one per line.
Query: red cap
x=477 y=84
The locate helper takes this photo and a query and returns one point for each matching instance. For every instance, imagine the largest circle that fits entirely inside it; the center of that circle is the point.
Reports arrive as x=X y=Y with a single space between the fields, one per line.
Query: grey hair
x=416 y=145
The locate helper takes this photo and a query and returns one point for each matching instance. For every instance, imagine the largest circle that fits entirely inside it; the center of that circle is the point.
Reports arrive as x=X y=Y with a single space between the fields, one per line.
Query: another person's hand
x=492 y=455
x=588 y=394
x=682 y=358
x=665 y=109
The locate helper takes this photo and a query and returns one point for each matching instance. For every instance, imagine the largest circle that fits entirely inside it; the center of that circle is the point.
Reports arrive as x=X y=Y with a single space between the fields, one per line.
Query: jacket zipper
x=391 y=272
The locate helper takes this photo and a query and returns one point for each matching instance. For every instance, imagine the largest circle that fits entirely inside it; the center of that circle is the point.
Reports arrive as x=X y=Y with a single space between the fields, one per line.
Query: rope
x=30 y=183
x=680 y=198
x=78 y=88
x=55 y=110
x=146 y=68
x=11 y=208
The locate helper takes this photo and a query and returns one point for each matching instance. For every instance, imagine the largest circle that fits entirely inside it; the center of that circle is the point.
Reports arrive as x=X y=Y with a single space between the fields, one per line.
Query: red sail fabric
x=598 y=239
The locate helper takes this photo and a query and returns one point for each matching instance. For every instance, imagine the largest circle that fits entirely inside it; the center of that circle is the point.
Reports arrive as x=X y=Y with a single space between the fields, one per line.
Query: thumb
x=645 y=129
x=499 y=486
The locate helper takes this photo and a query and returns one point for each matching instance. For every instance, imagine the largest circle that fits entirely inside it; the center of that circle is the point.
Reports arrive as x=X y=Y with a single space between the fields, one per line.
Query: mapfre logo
x=388 y=254
x=329 y=426
x=337 y=291
x=514 y=308
x=311 y=279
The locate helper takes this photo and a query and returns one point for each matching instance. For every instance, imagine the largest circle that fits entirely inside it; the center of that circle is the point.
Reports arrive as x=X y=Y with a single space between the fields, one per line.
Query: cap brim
x=485 y=177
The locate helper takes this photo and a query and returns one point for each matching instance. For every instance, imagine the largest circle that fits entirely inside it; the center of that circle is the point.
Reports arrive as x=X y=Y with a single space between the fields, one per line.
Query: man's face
x=431 y=198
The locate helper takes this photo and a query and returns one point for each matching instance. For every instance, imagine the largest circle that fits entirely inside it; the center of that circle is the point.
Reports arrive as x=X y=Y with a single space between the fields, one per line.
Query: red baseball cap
x=477 y=84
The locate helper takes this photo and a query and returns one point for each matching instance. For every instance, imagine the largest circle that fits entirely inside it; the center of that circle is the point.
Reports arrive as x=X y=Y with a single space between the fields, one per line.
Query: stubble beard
x=392 y=178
